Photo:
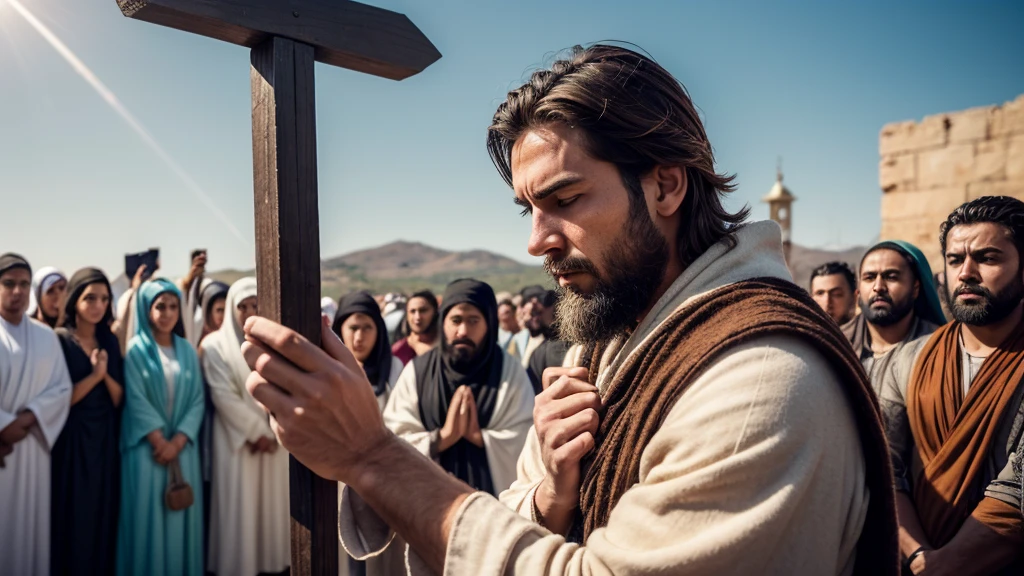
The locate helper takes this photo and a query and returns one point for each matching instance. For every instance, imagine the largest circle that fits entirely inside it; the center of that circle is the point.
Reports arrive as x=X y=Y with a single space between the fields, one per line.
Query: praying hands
x=461 y=422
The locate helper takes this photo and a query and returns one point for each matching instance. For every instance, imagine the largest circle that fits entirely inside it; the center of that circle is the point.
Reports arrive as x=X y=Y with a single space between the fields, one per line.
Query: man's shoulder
x=777 y=372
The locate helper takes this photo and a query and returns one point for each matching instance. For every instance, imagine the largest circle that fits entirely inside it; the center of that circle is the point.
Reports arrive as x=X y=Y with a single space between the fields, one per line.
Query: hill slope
x=409 y=266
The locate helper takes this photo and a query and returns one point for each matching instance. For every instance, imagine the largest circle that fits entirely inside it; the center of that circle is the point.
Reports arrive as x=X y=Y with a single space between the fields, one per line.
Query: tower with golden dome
x=780 y=208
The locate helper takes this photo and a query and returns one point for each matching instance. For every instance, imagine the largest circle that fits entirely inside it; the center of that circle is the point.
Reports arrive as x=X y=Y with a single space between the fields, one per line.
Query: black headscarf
x=76 y=286
x=437 y=379
x=378 y=364
x=10 y=261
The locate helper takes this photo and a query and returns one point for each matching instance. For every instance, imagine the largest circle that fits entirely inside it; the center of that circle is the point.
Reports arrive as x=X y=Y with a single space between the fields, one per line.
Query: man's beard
x=886 y=317
x=460 y=357
x=635 y=265
x=992 y=308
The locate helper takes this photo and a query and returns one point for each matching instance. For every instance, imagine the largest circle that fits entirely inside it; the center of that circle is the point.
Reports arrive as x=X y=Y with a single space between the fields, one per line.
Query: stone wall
x=928 y=168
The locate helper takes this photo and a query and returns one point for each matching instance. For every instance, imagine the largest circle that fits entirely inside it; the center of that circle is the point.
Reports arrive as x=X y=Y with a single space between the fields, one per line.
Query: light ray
x=112 y=100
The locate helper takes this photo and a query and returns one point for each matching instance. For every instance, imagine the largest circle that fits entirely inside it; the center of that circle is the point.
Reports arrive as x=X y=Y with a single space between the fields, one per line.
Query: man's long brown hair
x=634 y=114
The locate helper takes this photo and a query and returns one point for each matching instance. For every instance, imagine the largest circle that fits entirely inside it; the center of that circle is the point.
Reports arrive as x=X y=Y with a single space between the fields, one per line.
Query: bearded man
x=898 y=305
x=720 y=424
x=953 y=405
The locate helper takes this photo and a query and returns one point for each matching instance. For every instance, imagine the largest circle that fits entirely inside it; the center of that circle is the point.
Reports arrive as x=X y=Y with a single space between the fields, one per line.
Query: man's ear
x=671 y=183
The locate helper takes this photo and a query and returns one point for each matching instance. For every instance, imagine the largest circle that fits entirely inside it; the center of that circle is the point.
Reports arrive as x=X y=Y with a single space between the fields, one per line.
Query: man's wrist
x=367 y=469
x=550 y=511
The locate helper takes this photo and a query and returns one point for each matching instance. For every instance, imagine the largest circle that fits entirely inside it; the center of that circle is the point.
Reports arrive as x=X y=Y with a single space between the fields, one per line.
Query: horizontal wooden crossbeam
x=342 y=33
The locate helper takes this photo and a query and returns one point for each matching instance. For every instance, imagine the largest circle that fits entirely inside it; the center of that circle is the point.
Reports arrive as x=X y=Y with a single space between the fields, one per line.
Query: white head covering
x=227 y=341
x=43 y=280
x=329 y=307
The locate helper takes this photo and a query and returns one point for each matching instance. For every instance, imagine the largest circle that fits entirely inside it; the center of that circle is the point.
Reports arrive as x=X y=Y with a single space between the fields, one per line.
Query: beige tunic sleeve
x=758 y=469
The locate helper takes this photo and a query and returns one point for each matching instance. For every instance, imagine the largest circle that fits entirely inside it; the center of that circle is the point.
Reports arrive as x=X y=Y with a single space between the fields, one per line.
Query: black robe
x=86 y=469
x=549 y=354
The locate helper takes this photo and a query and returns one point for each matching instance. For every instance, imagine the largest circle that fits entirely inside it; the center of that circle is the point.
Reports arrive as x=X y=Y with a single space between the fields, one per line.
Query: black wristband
x=913 y=556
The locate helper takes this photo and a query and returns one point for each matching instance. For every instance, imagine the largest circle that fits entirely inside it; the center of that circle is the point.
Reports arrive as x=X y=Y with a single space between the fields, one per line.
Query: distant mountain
x=803 y=260
x=409 y=266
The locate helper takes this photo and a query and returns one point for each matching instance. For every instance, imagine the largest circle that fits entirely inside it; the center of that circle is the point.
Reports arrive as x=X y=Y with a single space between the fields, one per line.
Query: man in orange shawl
x=953 y=405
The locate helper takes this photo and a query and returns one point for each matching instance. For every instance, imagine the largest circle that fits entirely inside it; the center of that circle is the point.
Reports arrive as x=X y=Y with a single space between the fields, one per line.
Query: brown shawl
x=647 y=386
x=953 y=433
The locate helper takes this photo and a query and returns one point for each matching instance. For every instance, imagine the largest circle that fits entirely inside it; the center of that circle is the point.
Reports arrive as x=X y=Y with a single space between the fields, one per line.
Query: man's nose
x=545 y=235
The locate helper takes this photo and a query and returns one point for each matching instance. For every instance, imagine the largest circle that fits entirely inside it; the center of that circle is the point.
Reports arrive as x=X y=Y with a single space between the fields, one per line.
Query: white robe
x=504 y=436
x=33 y=376
x=249 y=514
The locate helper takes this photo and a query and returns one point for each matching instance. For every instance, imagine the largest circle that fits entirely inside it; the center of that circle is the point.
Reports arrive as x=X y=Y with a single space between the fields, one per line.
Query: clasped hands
x=263 y=445
x=461 y=422
x=15 y=432
x=164 y=450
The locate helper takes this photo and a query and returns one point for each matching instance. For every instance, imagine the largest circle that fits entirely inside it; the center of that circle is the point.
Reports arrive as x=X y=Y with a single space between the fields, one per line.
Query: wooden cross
x=286 y=36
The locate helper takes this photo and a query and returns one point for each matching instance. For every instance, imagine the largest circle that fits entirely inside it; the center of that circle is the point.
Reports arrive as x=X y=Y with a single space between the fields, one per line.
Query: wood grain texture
x=342 y=33
x=288 y=256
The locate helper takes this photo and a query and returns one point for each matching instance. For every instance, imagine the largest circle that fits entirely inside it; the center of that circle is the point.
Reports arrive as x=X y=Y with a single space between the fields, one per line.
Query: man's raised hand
x=566 y=416
x=322 y=407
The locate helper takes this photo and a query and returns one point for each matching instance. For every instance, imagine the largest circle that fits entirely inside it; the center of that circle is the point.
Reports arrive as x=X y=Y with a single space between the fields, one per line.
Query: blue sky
x=812 y=82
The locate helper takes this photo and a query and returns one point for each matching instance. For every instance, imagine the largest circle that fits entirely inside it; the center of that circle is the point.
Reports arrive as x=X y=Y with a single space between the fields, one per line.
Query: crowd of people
x=124 y=407
x=677 y=405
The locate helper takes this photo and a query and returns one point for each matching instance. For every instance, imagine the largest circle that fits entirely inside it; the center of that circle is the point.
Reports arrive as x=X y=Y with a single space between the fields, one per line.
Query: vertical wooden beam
x=288 y=256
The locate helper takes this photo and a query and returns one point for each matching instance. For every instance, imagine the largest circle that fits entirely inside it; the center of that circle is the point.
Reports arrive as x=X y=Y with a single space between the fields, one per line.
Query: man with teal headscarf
x=163 y=406
x=898 y=304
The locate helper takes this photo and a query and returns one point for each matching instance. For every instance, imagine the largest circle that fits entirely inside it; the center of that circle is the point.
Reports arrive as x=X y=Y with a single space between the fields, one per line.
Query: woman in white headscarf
x=249 y=520
x=48 y=286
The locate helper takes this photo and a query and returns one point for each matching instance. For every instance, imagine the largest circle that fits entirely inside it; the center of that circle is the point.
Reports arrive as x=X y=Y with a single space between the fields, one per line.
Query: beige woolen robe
x=757 y=469
x=250 y=525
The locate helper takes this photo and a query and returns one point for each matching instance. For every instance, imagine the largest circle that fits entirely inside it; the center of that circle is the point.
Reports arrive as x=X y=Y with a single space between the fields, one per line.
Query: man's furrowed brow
x=563 y=182
x=985 y=251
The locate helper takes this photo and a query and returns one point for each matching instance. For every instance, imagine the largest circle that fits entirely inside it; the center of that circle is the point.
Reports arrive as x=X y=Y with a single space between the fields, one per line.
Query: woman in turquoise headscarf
x=163 y=411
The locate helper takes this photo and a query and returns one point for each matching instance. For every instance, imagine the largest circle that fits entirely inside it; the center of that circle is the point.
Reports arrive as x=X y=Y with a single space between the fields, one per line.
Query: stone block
x=932 y=205
x=897 y=172
x=1013 y=188
x=1015 y=158
x=949 y=166
x=990 y=160
x=901 y=137
x=1008 y=119
x=969 y=125
x=921 y=231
